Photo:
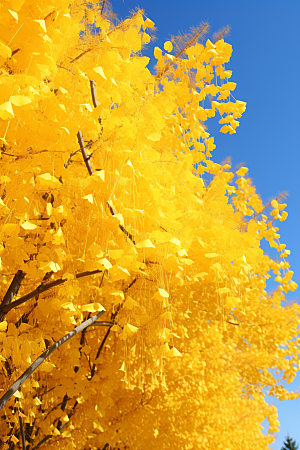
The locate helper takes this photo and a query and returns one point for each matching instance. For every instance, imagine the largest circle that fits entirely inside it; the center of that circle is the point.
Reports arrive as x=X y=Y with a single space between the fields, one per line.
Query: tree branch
x=95 y=103
x=83 y=151
x=42 y=288
x=11 y=292
x=99 y=351
x=8 y=394
x=22 y=433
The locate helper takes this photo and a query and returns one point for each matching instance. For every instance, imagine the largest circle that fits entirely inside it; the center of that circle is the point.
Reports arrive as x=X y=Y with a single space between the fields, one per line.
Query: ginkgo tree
x=134 y=311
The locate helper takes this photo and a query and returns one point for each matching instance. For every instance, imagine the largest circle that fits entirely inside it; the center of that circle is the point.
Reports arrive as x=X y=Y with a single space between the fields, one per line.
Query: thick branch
x=12 y=291
x=42 y=288
x=8 y=394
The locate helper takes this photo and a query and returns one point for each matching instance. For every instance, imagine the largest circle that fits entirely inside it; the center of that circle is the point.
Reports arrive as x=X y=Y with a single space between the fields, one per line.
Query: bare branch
x=8 y=394
x=221 y=33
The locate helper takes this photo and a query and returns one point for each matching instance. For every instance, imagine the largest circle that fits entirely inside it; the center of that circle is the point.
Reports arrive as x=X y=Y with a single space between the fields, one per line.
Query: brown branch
x=76 y=151
x=10 y=392
x=81 y=54
x=63 y=407
x=92 y=84
x=15 y=51
x=99 y=351
x=11 y=292
x=113 y=316
x=103 y=5
x=22 y=433
x=42 y=441
x=84 y=154
x=42 y=288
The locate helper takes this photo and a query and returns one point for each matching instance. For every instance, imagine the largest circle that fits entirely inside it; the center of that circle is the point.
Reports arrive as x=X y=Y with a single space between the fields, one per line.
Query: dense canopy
x=111 y=205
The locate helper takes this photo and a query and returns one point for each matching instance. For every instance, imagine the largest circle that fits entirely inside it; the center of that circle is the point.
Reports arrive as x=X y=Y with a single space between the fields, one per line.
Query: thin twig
x=99 y=351
x=113 y=316
x=81 y=54
x=10 y=392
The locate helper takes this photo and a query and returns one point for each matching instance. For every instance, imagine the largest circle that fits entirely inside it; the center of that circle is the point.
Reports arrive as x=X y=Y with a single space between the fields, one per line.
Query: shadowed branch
x=40 y=289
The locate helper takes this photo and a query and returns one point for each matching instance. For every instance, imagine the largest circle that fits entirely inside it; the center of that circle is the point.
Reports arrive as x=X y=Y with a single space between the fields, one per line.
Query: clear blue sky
x=265 y=36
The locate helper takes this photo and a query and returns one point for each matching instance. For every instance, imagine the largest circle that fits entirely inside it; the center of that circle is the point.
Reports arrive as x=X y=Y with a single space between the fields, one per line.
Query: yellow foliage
x=124 y=218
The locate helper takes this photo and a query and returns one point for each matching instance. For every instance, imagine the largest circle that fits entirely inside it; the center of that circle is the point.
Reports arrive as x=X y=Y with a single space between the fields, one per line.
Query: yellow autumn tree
x=134 y=311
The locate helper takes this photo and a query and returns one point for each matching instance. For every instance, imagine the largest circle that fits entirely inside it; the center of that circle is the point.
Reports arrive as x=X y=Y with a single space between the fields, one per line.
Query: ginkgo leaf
x=3 y=326
x=168 y=46
x=130 y=330
x=36 y=401
x=129 y=303
x=3 y=205
x=14 y=439
x=4 y=141
x=242 y=171
x=118 y=273
x=173 y=352
x=100 y=174
x=5 y=51
x=58 y=238
x=163 y=293
x=89 y=198
x=100 y=71
x=145 y=244
x=47 y=366
x=50 y=266
x=175 y=241
x=28 y=226
x=42 y=24
x=164 y=349
x=14 y=14
x=157 y=53
x=105 y=263
x=69 y=306
x=49 y=209
x=156 y=136
x=148 y=23
x=47 y=180
x=93 y=307
x=123 y=367
x=20 y=100
x=6 y=111
x=115 y=254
